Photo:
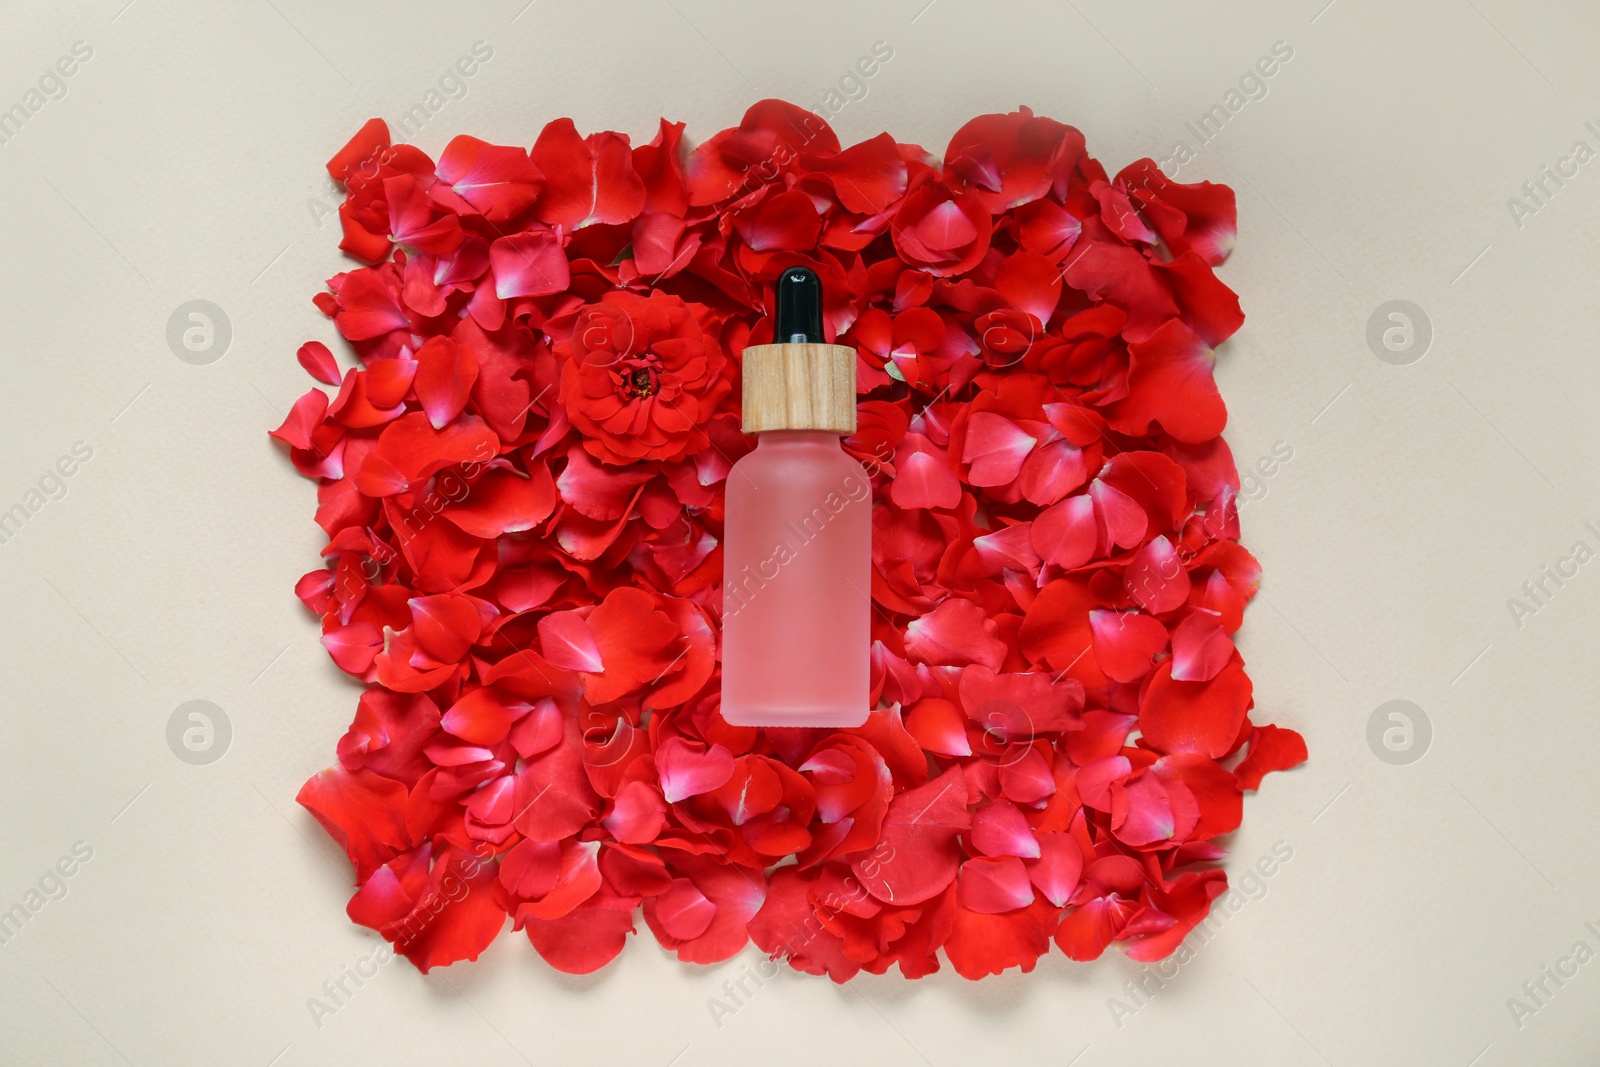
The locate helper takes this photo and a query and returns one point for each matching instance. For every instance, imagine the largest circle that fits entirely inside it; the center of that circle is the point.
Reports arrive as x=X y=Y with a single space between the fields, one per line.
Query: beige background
x=185 y=162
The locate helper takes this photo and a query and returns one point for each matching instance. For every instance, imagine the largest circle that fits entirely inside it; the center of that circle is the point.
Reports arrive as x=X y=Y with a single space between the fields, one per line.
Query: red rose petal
x=683 y=911
x=528 y=264
x=999 y=829
x=919 y=833
x=1202 y=717
x=496 y=180
x=994 y=885
x=688 y=770
x=1272 y=748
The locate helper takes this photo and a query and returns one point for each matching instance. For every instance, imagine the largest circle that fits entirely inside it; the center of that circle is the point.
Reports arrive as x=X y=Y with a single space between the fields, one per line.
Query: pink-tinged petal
x=1154 y=482
x=1031 y=283
x=999 y=829
x=1214 y=788
x=385 y=898
x=955 y=633
x=465 y=263
x=450 y=752
x=318 y=361
x=1065 y=533
x=494 y=802
x=990 y=886
x=354 y=647
x=419 y=293
x=687 y=769
x=1126 y=643
x=683 y=911
x=303 y=419
x=1222 y=597
x=1119 y=215
x=945 y=227
x=1156 y=578
x=369 y=306
x=1120 y=515
x=531 y=263
x=496 y=180
x=995 y=448
x=1008 y=548
x=924 y=480
x=1200 y=647
x=566 y=640
x=378 y=476
x=1184 y=904
x=413 y=219
x=637 y=816
x=540 y=730
x=443 y=380
x=939 y=727
x=1059 y=868
x=1147 y=812
x=1047 y=228
x=1099 y=779
x=1051 y=472
x=315 y=590
x=478 y=718
x=1027 y=779
x=446 y=624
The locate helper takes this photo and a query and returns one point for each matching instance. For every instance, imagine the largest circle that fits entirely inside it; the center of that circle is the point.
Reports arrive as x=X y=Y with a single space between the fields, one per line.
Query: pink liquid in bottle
x=797 y=538
x=797 y=570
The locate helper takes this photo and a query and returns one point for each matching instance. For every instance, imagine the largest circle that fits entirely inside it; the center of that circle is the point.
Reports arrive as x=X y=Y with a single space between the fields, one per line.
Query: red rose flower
x=640 y=377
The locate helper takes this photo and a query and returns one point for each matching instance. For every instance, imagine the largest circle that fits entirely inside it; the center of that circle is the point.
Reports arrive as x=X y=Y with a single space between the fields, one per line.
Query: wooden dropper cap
x=798 y=382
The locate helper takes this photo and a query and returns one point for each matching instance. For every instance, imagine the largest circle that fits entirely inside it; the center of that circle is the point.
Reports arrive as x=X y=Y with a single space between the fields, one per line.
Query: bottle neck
x=781 y=439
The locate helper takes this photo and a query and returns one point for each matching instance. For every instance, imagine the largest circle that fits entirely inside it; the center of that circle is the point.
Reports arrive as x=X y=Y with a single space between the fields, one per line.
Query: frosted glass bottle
x=797 y=570
x=797 y=539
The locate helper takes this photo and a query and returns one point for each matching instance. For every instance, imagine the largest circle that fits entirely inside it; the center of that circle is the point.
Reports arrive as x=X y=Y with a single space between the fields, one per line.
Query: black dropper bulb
x=798 y=318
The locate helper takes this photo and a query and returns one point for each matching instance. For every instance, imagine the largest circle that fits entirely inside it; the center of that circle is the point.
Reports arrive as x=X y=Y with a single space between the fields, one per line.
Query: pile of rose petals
x=521 y=480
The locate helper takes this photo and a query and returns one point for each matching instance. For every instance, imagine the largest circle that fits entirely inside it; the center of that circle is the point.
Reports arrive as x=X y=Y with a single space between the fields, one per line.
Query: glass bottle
x=797 y=538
